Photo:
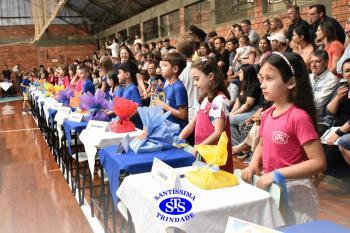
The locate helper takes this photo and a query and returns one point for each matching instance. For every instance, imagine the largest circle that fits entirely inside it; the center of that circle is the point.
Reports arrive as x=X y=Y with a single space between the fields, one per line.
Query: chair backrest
x=274 y=190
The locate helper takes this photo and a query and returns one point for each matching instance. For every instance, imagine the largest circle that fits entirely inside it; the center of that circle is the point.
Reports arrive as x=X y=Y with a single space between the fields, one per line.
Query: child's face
x=70 y=72
x=263 y=45
x=122 y=76
x=203 y=51
x=82 y=74
x=110 y=82
x=201 y=80
x=167 y=69
x=151 y=69
x=241 y=42
x=61 y=72
x=272 y=86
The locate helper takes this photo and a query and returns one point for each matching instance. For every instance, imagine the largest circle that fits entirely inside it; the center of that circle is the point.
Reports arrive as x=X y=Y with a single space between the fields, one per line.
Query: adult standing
x=6 y=74
x=6 y=77
x=18 y=74
x=114 y=47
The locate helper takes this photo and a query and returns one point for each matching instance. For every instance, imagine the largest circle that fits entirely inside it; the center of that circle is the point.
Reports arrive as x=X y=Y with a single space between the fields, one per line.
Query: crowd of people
x=274 y=94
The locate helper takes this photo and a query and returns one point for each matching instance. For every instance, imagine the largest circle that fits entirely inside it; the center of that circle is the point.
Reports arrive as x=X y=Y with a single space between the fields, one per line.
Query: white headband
x=286 y=60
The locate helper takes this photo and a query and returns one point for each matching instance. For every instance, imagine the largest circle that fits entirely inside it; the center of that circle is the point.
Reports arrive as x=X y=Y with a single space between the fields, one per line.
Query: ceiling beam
x=73 y=8
x=106 y=9
x=140 y=4
x=104 y=13
x=75 y=25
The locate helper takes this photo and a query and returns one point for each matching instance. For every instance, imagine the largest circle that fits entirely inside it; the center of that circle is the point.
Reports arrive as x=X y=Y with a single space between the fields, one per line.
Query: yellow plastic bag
x=48 y=93
x=208 y=176
x=48 y=87
x=57 y=89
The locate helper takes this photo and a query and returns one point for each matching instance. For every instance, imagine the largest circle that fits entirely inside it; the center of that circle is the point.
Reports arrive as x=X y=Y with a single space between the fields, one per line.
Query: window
x=122 y=35
x=280 y=5
x=198 y=14
x=170 y=24
x=150 y=29
x=226 y=10
x=134 y=30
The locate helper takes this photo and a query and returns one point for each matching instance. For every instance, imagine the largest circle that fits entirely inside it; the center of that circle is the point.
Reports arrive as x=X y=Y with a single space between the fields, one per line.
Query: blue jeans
x=344 y=141
x=234 y=122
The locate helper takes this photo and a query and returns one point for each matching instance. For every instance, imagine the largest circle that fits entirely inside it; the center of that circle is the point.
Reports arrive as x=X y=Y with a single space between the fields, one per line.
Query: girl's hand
x=333 y=138
x=249 y=121
x=160 y=103
x=248 y=172
x=257 y=117
x=265 y=181
x=144 y=95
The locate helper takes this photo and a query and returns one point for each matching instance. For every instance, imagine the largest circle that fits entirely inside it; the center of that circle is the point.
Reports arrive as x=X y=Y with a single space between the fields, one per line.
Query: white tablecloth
x=211 y=208
x=5 y=85
x=49 y=102
x=94 y=140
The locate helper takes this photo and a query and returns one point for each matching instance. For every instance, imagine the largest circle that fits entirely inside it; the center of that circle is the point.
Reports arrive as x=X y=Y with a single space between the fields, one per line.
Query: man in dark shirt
x=317 y=14
x=295 y=20
x=166 y=44
x=222 y=55
x=6 y=77
x=6 y=74
x=232 y=45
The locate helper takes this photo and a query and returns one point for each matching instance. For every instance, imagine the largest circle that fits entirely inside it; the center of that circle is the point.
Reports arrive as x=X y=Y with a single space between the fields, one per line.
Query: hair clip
x=286 y=60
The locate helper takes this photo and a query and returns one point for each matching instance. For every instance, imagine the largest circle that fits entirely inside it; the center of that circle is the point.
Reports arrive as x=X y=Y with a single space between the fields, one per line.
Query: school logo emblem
x=280 y=138
x=175 y=205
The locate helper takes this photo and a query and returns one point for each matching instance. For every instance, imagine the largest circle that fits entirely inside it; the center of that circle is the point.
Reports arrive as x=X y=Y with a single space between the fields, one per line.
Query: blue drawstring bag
x=158 y=131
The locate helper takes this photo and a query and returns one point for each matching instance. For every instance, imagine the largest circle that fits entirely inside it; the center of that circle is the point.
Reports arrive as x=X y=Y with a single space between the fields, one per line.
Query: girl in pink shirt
x=63 y=78
x=289 y=149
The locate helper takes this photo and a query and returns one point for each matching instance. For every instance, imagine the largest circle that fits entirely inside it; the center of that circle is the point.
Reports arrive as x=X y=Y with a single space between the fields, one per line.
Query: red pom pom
x=124 y=109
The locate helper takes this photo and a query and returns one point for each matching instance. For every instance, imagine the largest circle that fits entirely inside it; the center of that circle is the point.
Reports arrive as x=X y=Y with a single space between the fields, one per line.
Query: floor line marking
x=16 y=130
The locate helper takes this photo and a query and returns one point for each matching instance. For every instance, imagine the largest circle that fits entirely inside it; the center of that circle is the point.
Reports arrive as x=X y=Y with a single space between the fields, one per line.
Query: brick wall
x=24 y=54
x=32 y=55
x=65 y=54
x=66 y=31
x=17 y=32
